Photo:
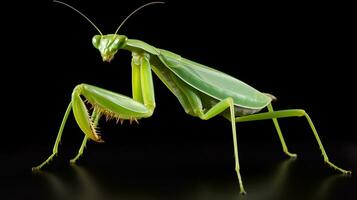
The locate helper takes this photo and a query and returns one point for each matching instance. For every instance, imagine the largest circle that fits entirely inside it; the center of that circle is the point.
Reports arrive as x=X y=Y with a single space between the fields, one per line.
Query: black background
x=300 y=52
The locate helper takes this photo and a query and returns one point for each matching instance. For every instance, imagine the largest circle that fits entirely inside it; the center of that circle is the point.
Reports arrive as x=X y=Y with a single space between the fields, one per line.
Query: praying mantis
x=202 y=91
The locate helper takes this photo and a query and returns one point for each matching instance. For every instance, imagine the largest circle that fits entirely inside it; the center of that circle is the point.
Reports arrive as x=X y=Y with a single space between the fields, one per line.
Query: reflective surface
x=191 y=172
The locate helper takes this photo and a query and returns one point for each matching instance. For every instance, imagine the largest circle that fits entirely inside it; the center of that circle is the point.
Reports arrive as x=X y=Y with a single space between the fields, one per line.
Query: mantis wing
x=213 y=82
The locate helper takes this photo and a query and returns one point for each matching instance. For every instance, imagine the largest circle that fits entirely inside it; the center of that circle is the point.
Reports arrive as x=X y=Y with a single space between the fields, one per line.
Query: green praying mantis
x=202 y=91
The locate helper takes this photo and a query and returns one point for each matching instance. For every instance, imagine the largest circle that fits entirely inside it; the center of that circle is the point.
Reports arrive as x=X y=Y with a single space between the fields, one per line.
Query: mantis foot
x=242 y=190
x=291 y=155
x=44 y=163
x=345 y=172
x=74 y=160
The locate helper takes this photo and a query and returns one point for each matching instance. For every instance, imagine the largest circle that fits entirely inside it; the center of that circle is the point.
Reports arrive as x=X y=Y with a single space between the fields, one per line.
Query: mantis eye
x=115 y=45
x=118 y=43
x=96 y=40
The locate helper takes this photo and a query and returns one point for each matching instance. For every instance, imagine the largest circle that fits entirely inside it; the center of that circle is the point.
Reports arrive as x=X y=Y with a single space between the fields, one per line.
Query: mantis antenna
x=136 y=10
x=60 y=2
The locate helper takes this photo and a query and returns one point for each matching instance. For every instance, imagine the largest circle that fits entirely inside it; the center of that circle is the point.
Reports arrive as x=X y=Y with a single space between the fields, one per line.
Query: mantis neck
x=139 y=47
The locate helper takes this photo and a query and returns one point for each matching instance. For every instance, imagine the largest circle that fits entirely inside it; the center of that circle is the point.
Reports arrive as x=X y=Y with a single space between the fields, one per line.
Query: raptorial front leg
x=108 y=104
x=142 y=91
x=95 y=116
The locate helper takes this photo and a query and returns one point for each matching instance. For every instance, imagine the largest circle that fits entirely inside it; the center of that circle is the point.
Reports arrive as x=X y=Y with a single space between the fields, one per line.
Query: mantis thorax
x=108 y=45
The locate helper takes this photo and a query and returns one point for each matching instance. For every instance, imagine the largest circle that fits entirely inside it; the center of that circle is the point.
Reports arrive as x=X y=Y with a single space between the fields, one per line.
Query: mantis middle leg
x=218 y=109
x=110 y=104
x=192 y=104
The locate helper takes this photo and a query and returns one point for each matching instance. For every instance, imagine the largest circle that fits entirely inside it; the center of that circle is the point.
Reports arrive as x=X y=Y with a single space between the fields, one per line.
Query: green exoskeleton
x=202 y=92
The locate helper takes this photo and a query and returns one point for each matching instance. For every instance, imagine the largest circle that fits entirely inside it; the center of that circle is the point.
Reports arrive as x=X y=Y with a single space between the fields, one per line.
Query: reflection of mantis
x=202 y=91
x=275 y=186
x=270 y=187
x=88 y=189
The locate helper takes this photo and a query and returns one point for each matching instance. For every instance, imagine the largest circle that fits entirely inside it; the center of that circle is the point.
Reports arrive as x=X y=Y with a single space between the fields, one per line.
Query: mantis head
x=108 y=45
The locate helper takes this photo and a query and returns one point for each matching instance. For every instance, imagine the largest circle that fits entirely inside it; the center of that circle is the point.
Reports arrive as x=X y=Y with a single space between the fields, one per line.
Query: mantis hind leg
x=280 y=134
x=293 y=113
